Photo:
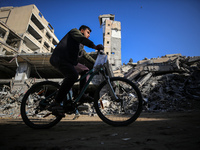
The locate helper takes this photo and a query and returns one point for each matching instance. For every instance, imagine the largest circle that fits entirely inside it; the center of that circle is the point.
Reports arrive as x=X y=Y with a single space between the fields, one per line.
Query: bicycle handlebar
x=100 y=52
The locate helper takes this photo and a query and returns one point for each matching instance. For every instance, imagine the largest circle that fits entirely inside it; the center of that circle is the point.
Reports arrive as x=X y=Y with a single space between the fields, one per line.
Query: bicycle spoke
x=123 y=109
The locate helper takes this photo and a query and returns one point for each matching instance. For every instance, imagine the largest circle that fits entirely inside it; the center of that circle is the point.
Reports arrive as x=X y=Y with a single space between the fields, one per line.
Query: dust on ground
x=151 y=131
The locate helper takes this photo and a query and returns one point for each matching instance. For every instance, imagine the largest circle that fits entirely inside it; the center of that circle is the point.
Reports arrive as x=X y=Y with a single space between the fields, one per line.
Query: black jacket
x=68 y=48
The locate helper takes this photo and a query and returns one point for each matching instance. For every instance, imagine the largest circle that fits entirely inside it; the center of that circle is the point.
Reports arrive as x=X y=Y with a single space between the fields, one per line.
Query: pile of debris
x=9 y=103
x=167 y=93
x=169 y=83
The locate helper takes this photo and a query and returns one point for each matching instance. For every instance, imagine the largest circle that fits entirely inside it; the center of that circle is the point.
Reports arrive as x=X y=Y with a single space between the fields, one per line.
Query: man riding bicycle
x=65 y=59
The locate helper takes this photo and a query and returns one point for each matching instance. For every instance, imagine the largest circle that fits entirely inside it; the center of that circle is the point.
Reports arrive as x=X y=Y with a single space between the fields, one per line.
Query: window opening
x=48 y=36
x=50 y=26
x=2 y=33
x=40 y=14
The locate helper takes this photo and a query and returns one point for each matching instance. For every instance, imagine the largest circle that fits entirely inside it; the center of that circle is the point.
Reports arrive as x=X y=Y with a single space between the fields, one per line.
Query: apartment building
x=26 y=42
x=111 y=39
x=32 y=32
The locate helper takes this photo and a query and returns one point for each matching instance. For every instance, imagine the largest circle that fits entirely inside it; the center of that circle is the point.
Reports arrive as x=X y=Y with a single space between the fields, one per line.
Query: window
x=40 y=14
x=52 y=50
x=37 y=22
x=108 y=42
x=50 y=26
x=112 y=52
x=46 y=45
x=108 y=33
x=48 y=35
x=2 y=33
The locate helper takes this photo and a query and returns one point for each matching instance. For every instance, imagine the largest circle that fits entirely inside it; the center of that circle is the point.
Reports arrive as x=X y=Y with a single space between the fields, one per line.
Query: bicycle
x=117 y=100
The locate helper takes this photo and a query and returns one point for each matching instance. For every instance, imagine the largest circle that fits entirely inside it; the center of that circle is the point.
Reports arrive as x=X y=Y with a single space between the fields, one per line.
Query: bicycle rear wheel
x=35 y=104
x=123 y=111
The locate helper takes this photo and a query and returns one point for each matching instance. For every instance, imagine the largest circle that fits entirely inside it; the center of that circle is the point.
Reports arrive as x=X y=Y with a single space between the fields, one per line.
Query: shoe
x=57 y=109
x=69 y=106
x=86 y=99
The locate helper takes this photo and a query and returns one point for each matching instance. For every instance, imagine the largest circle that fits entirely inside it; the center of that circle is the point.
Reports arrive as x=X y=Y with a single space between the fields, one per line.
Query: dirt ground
x=151 y=131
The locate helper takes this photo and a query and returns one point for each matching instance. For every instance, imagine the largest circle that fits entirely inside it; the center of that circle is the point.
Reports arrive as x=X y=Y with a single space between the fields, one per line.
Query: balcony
x=34 y=31
x=37 y=22
x=31 y=42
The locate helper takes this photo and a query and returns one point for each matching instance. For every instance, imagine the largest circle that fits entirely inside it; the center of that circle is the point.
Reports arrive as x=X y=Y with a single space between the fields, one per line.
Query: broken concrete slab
x=163 y=81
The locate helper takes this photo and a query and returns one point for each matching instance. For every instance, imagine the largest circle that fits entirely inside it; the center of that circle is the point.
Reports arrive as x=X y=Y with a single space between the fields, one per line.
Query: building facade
x=35 y=32
x=26 y=42
x=111 y=39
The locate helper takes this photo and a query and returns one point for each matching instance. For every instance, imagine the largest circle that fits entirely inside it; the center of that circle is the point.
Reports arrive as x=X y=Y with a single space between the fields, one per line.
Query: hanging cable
x=37 y=72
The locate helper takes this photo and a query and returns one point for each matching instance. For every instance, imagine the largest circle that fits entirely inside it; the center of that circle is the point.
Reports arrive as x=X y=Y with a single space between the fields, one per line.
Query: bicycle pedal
x=77 y=115
x=57 y=113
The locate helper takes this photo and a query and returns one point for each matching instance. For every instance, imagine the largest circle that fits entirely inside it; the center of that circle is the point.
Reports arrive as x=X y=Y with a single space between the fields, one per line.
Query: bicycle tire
x=34 y=114
x=120 y=112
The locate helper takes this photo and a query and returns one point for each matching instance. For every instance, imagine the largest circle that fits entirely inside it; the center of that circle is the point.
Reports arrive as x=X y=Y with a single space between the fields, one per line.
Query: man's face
x=86 y=33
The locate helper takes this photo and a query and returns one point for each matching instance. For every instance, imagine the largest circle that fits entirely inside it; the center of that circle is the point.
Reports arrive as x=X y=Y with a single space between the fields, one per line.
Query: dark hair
x=85 y=27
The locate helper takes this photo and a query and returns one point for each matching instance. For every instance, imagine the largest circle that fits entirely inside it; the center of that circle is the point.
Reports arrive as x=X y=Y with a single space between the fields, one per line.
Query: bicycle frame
x=92 y=73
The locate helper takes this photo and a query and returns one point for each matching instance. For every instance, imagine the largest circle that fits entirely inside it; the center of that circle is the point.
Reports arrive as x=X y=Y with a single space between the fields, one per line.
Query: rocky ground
x=151 y=131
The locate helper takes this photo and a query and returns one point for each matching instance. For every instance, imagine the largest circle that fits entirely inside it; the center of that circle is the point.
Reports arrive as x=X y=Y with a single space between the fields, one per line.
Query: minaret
x=111 y=39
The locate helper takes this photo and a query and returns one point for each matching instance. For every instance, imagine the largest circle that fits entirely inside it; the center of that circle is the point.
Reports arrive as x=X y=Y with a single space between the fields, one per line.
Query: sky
x=150 y=28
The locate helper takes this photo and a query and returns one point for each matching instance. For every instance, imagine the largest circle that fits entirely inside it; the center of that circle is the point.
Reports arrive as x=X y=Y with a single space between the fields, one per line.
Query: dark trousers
x=82 y=70
x=71 y=76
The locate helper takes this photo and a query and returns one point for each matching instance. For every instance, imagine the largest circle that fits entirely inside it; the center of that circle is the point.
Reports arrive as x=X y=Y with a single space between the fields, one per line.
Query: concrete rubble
x=169 y=83
x=9 y=103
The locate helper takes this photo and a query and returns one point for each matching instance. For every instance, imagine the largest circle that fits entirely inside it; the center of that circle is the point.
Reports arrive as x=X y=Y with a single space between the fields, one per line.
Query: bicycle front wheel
x=35 y=104
x=121 y=111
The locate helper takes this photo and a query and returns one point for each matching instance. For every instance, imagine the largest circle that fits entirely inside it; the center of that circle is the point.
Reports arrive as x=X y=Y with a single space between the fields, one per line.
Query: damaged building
x=26 y=41
x=37 y=34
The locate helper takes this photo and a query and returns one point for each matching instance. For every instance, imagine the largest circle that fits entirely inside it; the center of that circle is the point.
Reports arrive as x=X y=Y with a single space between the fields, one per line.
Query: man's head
x=85 y=30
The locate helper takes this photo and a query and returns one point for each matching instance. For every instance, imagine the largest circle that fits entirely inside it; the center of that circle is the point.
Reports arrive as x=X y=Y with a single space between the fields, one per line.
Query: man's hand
x=99 y=47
